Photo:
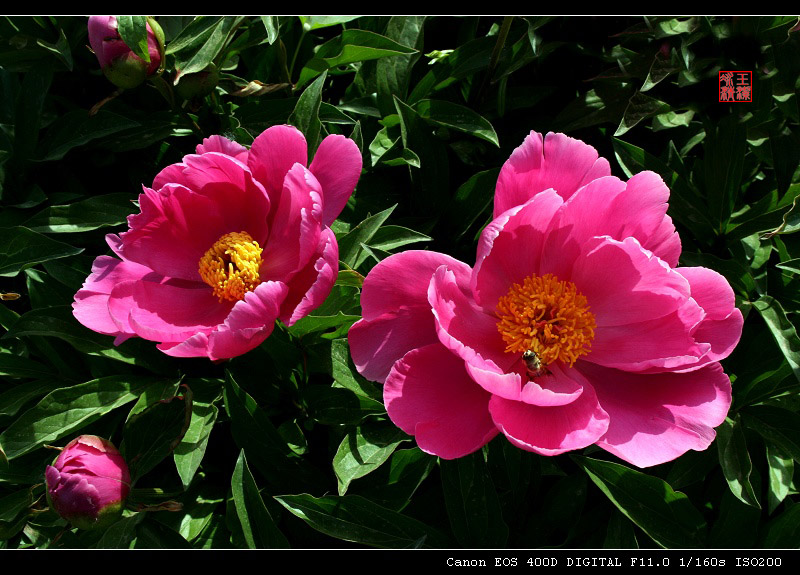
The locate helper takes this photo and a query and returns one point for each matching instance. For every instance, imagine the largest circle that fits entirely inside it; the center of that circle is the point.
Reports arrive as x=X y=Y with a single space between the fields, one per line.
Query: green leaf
x=782 y=330
x=473 y=199
x=461 y=118
x=783 y=532
x=17 y=366
x=152 y=435
x=21 y=248
x=66 y=410
x=258 y=526
x=620 y=533
x=350 y=244
x=89 y=214
x=76 y=128
x=722 y=177
x=255 y=433
x=350 y=47
x=58 y=321
x=364 y=449
x=640 y=107
x=779 y=427
x=345 y=374
x=665 y=515
x=393 y=484
x=316 y=22
x=14 y=399
x=472 y=503
x=389 y=238
x=333 y=405
x=271 y=25
x=393 y=74
x=133 y=31
x=735 y=461
x=353 y=518
x=433 y=174
x=14 y=504
x=151 y=534
x=194 y=34
x=305 y=116
x=672 y=120
x=790 y=224
x=781 y=470
x=194 y=58
x=189 y=453
x=120 y=535
x=313 y=323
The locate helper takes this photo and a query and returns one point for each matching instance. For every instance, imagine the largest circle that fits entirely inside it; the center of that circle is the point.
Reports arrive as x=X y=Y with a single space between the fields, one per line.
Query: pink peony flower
x=227 y=242
x=120 y=65
x=88 y=482
x=575 y=327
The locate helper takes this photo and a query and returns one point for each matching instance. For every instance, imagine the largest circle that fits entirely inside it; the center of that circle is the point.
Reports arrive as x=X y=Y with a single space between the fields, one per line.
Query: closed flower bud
x=88 y=482
x=199 y=84
x=120 y=65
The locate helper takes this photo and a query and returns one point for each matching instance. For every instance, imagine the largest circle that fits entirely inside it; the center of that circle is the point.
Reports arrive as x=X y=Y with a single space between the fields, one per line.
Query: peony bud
x=198 y=84
x=88 y=483
x=120 y=65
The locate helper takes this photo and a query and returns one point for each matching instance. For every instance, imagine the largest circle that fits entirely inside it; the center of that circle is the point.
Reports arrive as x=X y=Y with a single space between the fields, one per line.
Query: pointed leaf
x=665 y=515
x=353 y=518
x=258 y=526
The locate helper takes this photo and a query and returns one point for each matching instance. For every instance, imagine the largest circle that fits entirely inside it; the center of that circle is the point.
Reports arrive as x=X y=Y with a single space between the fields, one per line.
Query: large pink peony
x=575 y=327
x=227 y=242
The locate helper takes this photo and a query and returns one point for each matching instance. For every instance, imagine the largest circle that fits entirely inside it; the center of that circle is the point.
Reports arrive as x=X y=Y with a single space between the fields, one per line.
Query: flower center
x=546 y=316
x=231 y=266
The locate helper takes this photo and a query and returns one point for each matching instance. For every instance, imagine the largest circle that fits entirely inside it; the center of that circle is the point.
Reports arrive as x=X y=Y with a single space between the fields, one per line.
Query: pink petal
x=91 y=302
x=337 y=166
x=429 y=395
x=240 y=200
x=250 y=322
x=561 y=386
x=195 y=346
x=510 y=248
x=309 y=288
x=468 y=332
x=175 y=228
x=165 y=312
x=722 y=326
x=401 y=281
x=557 y=162
x=273 y=154
x=557 y=387
x=223 y=146
x=641 y=210
x=623 y=283
x=660 y=344
x=296 y=226
x=377 y=343
x=656 y=418
x=551 y=430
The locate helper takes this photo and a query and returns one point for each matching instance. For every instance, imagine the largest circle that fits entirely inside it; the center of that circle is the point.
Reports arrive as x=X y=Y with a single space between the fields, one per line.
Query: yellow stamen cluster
x=231 y=266
x=547 y=316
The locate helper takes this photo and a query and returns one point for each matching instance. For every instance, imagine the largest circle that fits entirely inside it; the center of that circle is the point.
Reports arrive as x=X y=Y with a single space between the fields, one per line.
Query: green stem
x=502 y=36
x=296 y=52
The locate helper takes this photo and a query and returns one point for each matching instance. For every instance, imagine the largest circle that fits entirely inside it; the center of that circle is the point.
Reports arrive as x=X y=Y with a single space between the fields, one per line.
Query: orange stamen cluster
x=231 y=266
x=547 y=316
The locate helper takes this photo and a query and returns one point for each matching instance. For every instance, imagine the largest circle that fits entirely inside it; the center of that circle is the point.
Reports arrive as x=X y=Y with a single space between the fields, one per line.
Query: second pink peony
x=576 y=325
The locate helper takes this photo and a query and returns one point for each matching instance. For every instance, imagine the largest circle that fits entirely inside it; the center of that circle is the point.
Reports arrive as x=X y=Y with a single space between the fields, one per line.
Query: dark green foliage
x=288 y=445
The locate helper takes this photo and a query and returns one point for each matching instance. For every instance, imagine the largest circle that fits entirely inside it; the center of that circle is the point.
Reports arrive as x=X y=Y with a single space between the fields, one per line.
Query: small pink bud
x=120 y=65
x=88 y=482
